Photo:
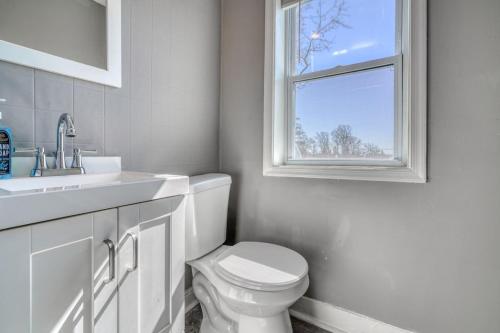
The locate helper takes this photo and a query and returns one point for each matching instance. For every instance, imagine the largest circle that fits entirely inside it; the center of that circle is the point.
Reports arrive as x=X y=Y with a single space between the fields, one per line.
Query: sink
x=61 y=183
x=26 y=200
x=55 y=183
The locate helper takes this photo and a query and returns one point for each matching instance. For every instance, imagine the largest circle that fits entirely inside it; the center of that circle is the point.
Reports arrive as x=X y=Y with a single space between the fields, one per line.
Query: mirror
x=78 y=38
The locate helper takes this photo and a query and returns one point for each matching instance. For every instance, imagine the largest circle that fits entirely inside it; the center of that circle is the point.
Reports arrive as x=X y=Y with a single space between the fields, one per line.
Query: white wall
x=421 y=257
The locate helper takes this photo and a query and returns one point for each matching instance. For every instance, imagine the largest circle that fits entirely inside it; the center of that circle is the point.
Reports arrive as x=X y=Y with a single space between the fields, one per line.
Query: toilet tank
x=206 y=213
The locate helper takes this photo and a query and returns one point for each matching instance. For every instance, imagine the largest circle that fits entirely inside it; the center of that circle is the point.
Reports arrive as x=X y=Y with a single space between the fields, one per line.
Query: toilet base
x=277 y=324
x=219 y=318
x=206 y=327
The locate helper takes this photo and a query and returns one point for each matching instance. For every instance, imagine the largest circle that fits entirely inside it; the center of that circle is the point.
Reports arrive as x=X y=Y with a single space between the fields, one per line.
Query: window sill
x=368 y=173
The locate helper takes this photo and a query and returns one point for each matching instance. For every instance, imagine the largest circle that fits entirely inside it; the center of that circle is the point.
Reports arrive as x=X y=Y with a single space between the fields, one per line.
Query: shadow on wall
x=234 y=207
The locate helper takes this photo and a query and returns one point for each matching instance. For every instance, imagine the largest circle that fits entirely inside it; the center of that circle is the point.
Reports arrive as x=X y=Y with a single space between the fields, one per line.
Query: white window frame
x=410 y=132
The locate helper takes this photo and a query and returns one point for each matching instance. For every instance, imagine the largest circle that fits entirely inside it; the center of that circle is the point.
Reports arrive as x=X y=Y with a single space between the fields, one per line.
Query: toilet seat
x=261 y=266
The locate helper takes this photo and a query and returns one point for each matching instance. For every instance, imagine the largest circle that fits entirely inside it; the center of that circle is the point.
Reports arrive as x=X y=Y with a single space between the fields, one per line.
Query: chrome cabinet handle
x=111 y=265
x=135 y=253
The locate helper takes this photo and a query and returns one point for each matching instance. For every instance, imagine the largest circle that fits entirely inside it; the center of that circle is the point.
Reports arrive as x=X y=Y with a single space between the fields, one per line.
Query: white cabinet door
x=72 y=284
x=15 y=247
x=154 y=268
x=145 y=290
x=62 y=276
x=105 y=285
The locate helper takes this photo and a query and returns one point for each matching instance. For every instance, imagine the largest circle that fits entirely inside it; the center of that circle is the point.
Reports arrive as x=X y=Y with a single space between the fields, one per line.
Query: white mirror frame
x=112 y=76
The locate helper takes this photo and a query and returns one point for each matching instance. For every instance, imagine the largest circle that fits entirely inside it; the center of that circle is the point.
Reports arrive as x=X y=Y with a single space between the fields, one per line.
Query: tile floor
x=193 y=322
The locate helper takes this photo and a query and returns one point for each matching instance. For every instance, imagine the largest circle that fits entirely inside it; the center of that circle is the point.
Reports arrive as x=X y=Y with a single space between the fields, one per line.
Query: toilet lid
x=261 y=266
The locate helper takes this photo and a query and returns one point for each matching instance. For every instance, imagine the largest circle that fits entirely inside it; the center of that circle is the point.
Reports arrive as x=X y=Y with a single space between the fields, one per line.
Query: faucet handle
x=83 y=151
x=39 y=152
x=80 y=152
x=40 y=159
x=77 y=158
x=40 y=163
x=26 y=150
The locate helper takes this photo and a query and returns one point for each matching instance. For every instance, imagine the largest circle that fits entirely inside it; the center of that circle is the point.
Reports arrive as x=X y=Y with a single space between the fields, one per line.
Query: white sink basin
x=27 y=200
x=48 y=184
x=44 y=184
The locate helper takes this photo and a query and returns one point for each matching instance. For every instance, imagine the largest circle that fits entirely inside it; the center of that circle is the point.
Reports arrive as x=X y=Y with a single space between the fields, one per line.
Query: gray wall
x=422 y=257
x=165 y=118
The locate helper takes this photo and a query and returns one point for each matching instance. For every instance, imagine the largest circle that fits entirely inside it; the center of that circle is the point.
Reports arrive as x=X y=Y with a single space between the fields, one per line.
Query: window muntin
x=328 y=90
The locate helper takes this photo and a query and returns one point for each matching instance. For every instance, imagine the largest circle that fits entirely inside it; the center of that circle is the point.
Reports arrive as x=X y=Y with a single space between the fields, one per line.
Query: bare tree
x=346 y=142
x=371 y=150
x=340 y=142
x=324 y=16
x=323 y=143
x=306 y=146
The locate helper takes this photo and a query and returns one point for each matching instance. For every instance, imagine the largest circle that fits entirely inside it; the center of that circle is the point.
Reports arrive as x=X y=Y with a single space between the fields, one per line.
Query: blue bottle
x=6 y=151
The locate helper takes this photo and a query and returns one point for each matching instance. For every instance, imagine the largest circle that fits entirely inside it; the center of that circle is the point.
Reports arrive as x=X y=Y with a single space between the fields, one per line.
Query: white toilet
x=245 y=288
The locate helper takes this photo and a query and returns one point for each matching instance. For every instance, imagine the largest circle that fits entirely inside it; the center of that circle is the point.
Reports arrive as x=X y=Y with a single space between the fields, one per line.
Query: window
x=345 y=89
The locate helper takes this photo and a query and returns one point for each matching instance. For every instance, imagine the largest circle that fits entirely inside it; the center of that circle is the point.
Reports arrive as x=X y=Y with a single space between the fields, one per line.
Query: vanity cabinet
x=104 y=272
x=62 y=275
x=144 y=267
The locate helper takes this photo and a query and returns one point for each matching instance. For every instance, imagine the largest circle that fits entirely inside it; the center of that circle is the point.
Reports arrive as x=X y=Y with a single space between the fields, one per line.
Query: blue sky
x=363 y=100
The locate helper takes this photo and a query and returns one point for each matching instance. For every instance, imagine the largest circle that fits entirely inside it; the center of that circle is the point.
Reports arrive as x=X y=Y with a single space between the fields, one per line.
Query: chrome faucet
x=65 y=127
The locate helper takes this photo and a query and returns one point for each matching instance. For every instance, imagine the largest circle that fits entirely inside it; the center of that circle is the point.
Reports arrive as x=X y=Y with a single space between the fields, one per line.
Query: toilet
x=245 y=288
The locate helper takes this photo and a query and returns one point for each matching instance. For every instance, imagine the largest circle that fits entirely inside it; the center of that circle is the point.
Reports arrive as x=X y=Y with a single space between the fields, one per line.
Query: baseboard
x=326 y=316
x=190 y=299
x=338 y=320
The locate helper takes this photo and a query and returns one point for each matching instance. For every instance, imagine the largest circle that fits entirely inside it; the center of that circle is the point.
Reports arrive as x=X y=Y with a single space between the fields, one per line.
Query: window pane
x=333 y=33
x=348 y=116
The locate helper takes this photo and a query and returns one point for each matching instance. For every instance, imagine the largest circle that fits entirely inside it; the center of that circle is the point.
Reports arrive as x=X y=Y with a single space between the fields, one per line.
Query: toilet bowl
x=245 y=288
